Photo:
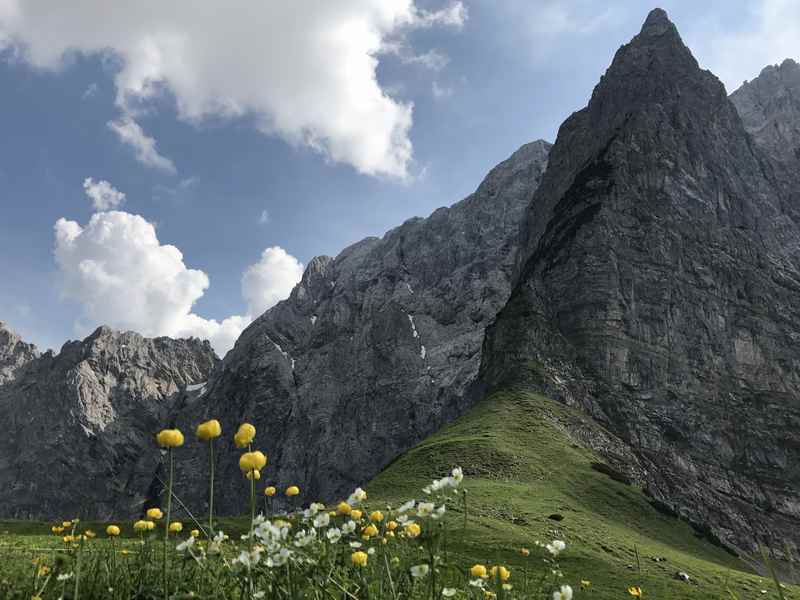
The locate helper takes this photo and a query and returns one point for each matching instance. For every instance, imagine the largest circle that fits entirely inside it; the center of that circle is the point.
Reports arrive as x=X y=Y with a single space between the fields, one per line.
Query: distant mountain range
x=645 y=268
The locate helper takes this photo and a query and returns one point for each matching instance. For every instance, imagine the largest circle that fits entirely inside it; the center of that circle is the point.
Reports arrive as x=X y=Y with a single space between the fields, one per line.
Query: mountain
x=770 y=109
x=657 y=289
x=14 y=353
x=78 y=426
x=374 y=350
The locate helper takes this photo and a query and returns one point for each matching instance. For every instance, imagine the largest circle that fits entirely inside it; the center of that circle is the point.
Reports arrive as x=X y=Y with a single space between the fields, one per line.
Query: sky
x=169 y=167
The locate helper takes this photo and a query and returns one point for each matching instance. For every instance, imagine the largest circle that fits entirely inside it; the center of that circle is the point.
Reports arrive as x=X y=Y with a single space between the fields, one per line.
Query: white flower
x=322 y=520
x=371 y=551
x=349 y=527
x=279 y=559
x=478 y=583
x=406 y=507
x=64 y=576
x=334 y=535
x=424 y=509
x=556 y=547
x=184 y=546
x=304 y=538
x=565 y=593
x=213 y=546
x=457 y=475
x=420 y=570
x=449 y=592
x=356 y=497
x=355 y=544
x=439 y=512
x=247 y=559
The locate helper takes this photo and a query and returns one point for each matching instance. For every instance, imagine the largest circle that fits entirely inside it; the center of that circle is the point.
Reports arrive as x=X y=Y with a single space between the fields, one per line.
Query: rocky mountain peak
x=14 y=353
x=770 y=109
x=657 y=23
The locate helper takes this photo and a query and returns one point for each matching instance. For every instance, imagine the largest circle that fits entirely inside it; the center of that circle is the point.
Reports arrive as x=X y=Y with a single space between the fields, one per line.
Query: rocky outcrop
x=770 y=109
x=14 y=353
x=374 y=350
x=79 y=426
x=657 y=288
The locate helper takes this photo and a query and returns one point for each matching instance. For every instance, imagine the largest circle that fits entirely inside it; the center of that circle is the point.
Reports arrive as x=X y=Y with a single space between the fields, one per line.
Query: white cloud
x=270 y=280
x=102 y=194
x=304 y=70
x=130 y=132
x=771 y=34
x=441 y=92
x=122 y=276
x=264 y=218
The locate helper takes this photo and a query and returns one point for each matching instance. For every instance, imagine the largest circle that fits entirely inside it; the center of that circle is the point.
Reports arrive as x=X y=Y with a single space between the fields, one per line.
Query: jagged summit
x=14 y=353
x=657 y=23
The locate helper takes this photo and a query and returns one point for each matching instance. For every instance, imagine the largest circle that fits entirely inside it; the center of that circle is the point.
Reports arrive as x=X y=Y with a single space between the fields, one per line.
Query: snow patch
x=422 y=352
x=285 y=354
x=313 y=319
x=409 y=287
x=413 y=327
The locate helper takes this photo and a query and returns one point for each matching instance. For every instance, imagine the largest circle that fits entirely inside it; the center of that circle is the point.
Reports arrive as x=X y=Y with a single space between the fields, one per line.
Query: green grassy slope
x=521 y=467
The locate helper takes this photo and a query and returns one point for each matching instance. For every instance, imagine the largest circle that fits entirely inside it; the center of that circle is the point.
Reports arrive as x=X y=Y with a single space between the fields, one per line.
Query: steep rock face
x=14 y=353
x=79 y=426
x=657 y=288
x=770 y=109
x=374 y=350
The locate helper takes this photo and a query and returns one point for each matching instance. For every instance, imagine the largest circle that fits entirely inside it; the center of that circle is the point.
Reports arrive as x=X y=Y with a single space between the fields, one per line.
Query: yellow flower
x=195 y=533
x=209 y=430
x=585 y=584
x=413 y=530
x=390 y=534
x=356 y=514
x=43 y=570
x=170 y=438
x=89 y=533
x=176 y=527
x=376 y=516
x=112 y=531
x=256 y=474
x=252 y=461
x=270 y=491
x=244 y=436
x=344 y=508
x=292 y=490
x=359 y=558
x=391 y=525
x=150 y=525
x=66 y=524
x=140 y=526
x=58 y=530
x=478 y=571
x=635 y=590
x=500 y=572
x=154 y=514
x=524 y=552
x=369 y=531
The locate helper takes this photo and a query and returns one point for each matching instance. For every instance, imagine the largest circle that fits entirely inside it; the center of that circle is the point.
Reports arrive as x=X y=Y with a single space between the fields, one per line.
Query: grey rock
x=14 y=353
x=657 y=289
x=770 y=109
x=79 y=426
x=374 y=350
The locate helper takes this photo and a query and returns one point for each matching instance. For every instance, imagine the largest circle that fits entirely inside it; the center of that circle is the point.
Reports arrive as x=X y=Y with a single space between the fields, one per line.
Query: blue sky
x=484 y=78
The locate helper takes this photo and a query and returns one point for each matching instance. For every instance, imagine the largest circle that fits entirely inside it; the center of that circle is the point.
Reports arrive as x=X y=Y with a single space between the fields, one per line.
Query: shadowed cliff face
x=658 y=289
x=374 y=350
x=79 y=426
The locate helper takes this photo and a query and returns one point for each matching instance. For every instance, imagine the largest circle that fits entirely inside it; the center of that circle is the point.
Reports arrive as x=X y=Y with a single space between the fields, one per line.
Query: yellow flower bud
x=344 y=508
x=292 y=490
x=150 y=525
x=140 y=526
x=413 y=530
x=478 y=571
x=391 y=525
x=356 y=514
x=170 y=438
x=66 y=524
x=89 y=533
x=154 y=514
x=270 y=491
x=176 y=527
x=500 y=572
x=369 y=531
x=376 y=516
x=195 y=533
x=244 y=436
x=209 y=430
x=359 y=558
x=252 y=461
x=112 y=531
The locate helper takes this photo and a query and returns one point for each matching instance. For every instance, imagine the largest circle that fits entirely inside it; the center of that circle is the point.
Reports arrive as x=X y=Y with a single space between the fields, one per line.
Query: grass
x=527 y=480
x=522 y=466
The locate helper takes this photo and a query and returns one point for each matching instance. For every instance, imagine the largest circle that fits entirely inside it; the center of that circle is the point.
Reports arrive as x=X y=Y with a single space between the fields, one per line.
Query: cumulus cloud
x=303 y=70
x=102 y=194
x=771 y=33
x=270 y=280
x=123 y=276
x=130 y=132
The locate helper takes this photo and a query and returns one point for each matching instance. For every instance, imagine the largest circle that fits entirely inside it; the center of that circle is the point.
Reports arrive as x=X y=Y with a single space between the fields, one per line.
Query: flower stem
x=166 y=523
x=211 y=489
